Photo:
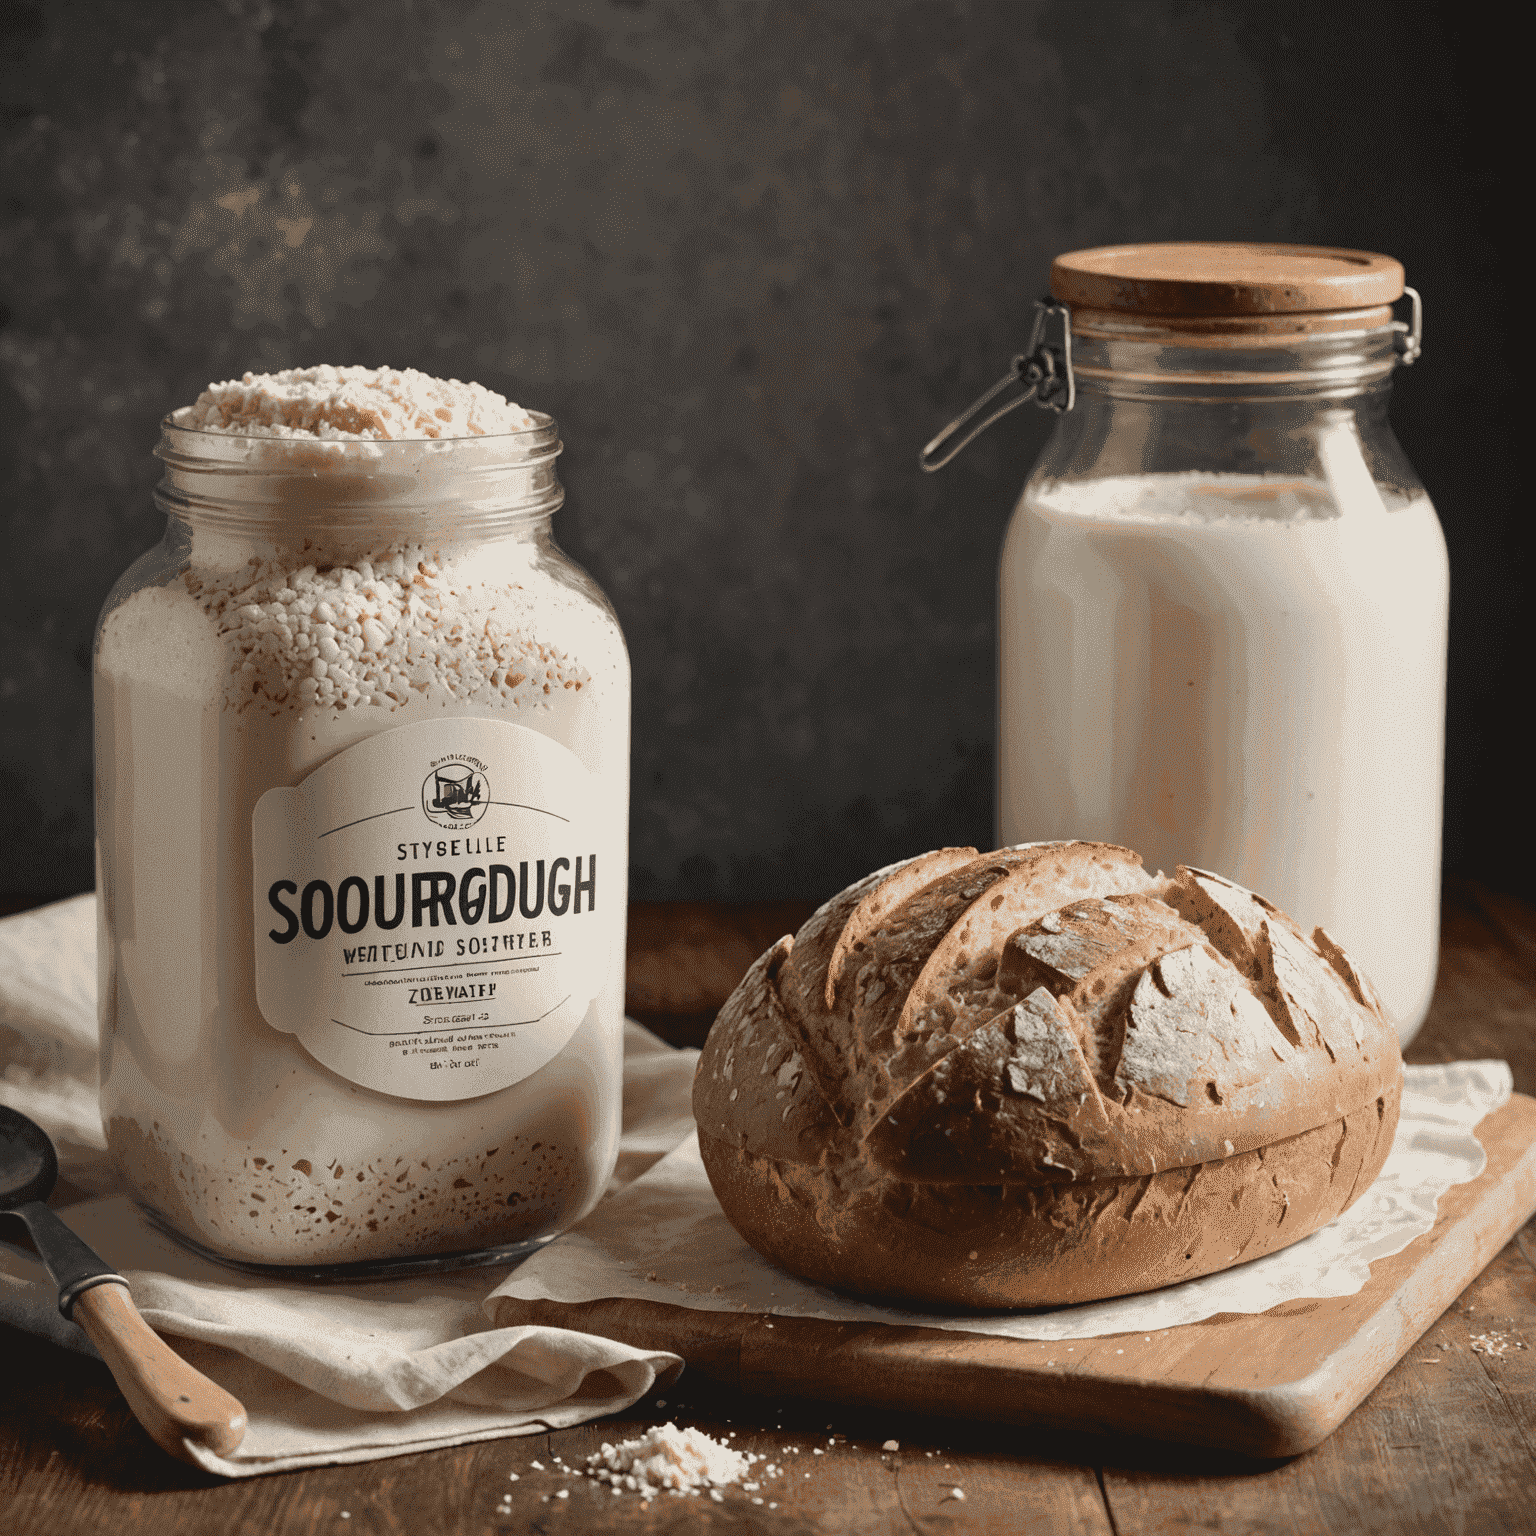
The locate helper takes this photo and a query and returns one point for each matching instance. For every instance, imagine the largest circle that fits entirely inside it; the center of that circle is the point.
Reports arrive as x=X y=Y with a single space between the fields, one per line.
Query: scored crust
x=997 y=1070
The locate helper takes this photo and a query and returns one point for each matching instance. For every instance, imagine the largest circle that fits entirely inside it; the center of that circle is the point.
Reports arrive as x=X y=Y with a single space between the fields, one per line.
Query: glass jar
x=1222 y=598
x=362 y=754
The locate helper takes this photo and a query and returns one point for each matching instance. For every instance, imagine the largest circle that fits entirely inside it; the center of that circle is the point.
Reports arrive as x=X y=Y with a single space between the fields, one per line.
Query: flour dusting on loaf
x=1042 y=1075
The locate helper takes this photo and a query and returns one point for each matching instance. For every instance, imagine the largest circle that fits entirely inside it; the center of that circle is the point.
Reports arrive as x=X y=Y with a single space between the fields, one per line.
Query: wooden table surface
x=1447 y=1442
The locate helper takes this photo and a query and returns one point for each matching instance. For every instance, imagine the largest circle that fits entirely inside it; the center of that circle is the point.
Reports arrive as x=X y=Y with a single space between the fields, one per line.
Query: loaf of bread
x=1042 y=1076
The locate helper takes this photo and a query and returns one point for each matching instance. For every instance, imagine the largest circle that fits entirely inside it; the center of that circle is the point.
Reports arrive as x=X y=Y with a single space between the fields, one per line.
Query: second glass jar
x=1222 y=627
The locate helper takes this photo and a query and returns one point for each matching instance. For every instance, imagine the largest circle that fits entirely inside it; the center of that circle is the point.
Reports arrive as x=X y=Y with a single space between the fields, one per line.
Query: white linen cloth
x=332 y=1373
x=327 y=1373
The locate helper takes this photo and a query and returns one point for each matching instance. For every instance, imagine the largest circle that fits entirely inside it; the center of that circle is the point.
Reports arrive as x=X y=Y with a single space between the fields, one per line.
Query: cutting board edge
x=1328 y=1395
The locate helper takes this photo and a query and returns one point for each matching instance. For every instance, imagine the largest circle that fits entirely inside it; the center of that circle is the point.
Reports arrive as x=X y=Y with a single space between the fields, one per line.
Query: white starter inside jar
x=1243 y=673
x=362 y=793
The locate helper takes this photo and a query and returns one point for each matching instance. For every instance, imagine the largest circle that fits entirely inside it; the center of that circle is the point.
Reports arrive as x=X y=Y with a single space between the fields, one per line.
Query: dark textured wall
x=750 y=256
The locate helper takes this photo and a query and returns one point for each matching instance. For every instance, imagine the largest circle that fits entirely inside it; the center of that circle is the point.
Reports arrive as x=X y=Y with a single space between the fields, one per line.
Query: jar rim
x=235 y=476
x=1151 y=362
x=1218 y=332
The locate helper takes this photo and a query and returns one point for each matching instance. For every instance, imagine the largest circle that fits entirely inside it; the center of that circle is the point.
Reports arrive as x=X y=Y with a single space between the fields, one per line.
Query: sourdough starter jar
x=362 y=741
x=1222 y=598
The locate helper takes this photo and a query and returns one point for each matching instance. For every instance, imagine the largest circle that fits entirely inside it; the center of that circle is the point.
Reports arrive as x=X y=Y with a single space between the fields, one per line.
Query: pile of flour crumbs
x=378 y=404
x=671 y=1460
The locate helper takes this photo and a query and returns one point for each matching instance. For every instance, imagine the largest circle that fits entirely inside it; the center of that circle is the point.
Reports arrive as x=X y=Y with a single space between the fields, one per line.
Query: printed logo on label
x=455 y=793
x=437 y=936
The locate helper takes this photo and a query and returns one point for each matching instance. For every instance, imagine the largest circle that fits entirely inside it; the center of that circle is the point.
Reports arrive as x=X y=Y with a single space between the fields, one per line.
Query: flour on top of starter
x=362 y=634
x=340 y=403
x=266 y=655
x=365 y=631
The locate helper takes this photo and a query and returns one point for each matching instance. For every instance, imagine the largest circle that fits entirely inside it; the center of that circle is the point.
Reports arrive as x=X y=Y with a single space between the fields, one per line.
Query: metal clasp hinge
x=1409 y=334
x=1043 y=374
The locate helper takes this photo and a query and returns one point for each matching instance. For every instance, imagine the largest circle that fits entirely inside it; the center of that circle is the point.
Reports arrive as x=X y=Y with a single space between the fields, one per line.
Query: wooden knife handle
x=175 y=1403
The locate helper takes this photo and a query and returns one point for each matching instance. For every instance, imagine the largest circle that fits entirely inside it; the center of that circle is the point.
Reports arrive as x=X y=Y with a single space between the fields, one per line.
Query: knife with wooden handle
x=178 y=1405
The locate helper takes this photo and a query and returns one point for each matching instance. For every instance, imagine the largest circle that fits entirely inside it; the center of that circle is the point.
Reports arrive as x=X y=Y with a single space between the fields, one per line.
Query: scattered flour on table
x=1495 y=1342
x=668 y=1459
x=381 y=404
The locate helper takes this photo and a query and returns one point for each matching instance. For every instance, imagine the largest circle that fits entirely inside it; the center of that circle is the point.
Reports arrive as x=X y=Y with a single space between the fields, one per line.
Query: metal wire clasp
x=1409 y=338
x=1043 y=374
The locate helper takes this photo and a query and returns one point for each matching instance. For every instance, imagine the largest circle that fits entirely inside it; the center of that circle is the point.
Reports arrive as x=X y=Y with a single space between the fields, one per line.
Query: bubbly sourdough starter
x=1226 y=671
x=215 y=687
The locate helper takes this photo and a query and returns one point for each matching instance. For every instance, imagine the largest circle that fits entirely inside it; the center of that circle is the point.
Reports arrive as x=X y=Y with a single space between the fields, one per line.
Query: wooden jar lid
x=1210 y=279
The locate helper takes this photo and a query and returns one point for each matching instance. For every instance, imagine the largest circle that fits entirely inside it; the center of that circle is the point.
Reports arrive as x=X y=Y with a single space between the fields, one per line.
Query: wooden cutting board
x=1273 y=1384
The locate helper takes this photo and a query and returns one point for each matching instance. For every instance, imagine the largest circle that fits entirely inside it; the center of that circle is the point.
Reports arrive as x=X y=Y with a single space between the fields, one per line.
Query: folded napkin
x=327 y=1373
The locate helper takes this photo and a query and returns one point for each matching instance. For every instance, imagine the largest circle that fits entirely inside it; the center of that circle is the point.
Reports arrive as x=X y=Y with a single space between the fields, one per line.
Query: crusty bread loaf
x=1042 y=1076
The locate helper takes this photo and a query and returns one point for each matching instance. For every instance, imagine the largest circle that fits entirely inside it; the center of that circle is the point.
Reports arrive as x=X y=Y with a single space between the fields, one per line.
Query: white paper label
x=432 y=906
